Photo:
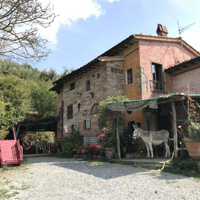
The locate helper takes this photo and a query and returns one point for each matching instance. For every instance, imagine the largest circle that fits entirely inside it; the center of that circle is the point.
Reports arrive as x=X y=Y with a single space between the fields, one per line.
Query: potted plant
x=84 y=151
x=192 y=141
x=96 y=149
x=78 y=149
x=108 y=142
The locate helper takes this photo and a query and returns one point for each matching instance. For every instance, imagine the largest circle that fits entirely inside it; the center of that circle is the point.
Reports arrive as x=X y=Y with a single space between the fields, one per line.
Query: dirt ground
x=58 y=178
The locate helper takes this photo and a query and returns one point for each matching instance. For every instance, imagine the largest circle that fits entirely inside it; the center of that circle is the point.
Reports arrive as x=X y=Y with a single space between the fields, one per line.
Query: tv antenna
x=180 y=30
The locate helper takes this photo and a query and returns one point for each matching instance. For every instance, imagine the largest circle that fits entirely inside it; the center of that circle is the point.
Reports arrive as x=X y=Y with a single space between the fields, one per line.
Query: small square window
x=129 y=76
x=72 y=86
x=98 y=75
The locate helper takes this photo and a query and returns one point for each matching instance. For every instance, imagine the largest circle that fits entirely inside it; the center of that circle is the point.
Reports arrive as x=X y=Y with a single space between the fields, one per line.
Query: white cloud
x=70 y=11
x=111 y=1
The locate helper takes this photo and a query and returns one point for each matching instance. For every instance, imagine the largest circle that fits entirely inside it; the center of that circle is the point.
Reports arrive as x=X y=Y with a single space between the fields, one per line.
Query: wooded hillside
x=24 y=90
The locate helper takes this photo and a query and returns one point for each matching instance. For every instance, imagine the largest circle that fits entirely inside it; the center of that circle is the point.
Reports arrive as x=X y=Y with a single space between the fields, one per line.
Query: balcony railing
x=158 y=86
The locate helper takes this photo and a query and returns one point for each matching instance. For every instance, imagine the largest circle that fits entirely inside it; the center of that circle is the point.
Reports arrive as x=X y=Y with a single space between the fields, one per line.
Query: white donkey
x=153 y=137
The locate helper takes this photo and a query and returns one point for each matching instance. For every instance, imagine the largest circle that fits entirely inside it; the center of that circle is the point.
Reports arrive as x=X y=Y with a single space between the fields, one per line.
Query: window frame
x=72 y=86
x=127 y=77
x=85 y=126
x=155 y=80
x=88 y=85
x=70 y=111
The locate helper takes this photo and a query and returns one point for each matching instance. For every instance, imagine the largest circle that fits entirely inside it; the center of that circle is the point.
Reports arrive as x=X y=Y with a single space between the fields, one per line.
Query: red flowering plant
x=85 y=149
x=107 y=138
x=101 y=136
x=94 y=148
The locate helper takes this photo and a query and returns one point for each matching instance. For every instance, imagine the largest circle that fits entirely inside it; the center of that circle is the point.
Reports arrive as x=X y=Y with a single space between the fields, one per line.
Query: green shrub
x=194 y=131
x=68 y=148
x=185 y=164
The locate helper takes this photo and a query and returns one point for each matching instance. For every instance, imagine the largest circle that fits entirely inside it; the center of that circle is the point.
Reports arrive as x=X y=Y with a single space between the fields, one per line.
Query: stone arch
x=94 y=108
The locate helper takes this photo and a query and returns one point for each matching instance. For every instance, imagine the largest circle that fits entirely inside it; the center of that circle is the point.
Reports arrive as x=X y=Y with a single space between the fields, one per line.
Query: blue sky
x=85 y=29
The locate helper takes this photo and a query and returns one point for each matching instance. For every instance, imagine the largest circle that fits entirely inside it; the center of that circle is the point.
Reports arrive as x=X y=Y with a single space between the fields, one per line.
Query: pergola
x=134 y=105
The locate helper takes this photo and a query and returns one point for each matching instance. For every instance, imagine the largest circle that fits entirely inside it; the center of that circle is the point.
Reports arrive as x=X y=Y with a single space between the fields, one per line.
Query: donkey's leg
x=147 y=150
x=167 y=150
x=169 y=153
x=151 y=149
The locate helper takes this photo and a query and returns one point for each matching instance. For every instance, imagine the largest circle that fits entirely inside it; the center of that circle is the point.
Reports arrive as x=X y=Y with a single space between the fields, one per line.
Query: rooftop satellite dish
x=180 y=30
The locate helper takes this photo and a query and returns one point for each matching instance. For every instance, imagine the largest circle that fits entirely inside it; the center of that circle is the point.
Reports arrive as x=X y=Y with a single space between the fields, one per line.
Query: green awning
x=134 y=105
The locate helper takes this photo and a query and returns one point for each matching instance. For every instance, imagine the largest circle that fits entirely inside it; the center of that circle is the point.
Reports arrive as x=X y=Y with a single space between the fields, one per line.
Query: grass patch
x=185 y=167
x=6 y=194
x=96 y=163
x=24 y=165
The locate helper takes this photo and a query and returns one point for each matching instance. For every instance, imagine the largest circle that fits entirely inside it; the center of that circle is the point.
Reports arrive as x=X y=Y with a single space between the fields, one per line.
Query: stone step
x=156 y=163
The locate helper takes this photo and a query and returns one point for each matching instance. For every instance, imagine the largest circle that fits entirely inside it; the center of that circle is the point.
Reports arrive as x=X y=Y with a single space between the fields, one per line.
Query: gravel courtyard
x=57 y=178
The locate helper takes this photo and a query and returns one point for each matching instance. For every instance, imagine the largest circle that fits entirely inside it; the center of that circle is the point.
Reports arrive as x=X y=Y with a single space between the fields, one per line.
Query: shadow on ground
x=105 y=171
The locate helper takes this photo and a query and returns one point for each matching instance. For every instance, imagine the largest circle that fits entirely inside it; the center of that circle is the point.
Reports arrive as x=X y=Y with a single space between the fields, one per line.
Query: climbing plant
x=107 y=118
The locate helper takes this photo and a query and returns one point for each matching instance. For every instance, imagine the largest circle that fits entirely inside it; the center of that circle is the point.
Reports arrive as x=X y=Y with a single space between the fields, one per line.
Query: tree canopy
x=14 y=100
x=20 y=21
x=43 y=101
x=23 y=91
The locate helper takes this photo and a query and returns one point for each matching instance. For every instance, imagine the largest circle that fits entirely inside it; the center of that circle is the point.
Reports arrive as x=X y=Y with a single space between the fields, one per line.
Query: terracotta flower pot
x=193 y=148
x=78 y=150
x=109 y=152
x=84 y=155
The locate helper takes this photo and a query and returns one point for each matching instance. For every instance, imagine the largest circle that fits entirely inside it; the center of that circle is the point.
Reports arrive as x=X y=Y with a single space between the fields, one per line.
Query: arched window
x=94 y=109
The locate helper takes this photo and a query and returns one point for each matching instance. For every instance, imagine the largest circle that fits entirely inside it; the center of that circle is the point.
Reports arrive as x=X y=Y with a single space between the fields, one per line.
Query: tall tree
x=14 y=100
x=19 y=23
x=43 y=101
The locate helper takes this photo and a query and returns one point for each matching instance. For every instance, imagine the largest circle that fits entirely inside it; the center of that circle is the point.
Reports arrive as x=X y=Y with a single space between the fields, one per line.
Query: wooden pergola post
x=118 y=139
x=174 y=129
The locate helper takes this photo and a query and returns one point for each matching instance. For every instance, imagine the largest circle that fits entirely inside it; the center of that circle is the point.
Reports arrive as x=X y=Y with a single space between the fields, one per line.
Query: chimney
x=162 y=30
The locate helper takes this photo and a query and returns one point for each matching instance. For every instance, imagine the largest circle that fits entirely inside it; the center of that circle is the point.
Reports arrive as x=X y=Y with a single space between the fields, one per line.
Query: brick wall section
x=115 y=81
x=109 y=84
x=133 y=90
x=189 y=78
x=165 y=53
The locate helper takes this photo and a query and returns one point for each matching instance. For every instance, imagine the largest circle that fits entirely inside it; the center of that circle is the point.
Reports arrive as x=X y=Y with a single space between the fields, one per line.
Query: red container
x=10 y=152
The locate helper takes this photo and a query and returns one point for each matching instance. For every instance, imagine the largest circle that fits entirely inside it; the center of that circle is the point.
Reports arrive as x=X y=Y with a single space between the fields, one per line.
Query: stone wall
x=106 y=79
